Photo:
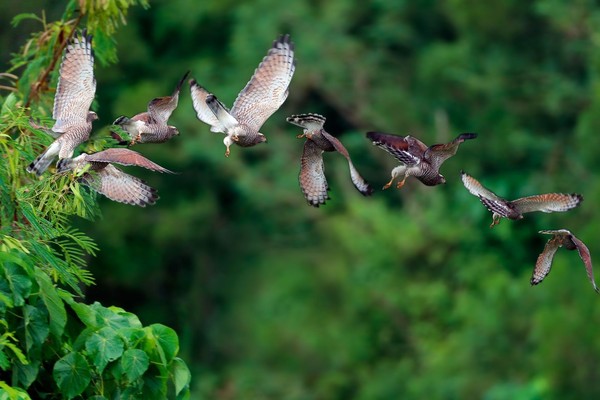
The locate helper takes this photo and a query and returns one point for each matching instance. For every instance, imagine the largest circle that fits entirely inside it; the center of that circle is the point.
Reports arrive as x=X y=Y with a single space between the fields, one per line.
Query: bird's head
x=260 y=138
x=173 y=131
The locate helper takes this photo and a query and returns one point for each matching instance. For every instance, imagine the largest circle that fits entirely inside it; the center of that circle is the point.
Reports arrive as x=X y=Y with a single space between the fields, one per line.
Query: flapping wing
x=310 y=122
x=203 y=112
x=544 y=260
x=76 y=84
x=586 y=257
x=548 y=202
x=268 y=88
x=359 y=183
x=161 y=108
x=407 y=150
x=312 y=175
x=438 y=153
x=477 y=189
x=121 y=187
x=125 y=157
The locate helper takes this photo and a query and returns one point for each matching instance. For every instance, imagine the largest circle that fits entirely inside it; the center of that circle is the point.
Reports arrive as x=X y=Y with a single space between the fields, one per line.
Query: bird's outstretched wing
x=312 y=175
x=438 y=153
x=548 y=202
x=359 y=182
x=161 y=108
x=76 y=84
x=268 y=88
x=407 y=149
x=121 y=187
x=126 y=157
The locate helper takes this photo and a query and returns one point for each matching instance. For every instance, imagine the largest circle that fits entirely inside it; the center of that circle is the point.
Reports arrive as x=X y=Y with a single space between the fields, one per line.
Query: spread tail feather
x=43 y=161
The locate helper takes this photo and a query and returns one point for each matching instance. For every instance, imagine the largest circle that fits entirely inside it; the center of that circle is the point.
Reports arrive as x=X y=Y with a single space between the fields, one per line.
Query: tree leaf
x=25 y=374
x=72 y=374
x=164 y=341
x=134 y=363
x=36 y=326
x=55 y=306
x=180 y=374
x=19 y=283
x=104 y=346
x=107 y=317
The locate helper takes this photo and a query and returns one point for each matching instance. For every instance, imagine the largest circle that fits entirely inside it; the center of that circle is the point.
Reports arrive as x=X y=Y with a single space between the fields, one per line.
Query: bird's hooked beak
x=263 y=138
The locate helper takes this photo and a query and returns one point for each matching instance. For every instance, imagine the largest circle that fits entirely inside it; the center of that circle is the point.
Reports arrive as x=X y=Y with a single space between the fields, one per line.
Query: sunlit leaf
x=134 y=363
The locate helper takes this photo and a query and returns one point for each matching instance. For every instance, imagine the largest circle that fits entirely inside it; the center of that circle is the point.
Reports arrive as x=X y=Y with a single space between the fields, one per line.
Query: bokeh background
x=407 y=294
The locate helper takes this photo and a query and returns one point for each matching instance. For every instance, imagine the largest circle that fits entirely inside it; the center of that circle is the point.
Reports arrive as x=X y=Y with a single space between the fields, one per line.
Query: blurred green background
x=407 y=294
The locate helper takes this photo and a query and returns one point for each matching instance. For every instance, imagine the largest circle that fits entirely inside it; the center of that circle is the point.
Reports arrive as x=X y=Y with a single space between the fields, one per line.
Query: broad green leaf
x=134 y=363
x=163 y=340
x=85 y=313
x=72 y=374
x=55 y=306
x=132 y=335
x=19 y=283
x=25 y=374
x=104 y=346
x=36 y=326
x=107 y=317
x=155 y=383
x=180 y=374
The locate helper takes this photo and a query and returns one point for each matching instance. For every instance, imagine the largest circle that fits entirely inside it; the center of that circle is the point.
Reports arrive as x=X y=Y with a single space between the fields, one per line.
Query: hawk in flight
x=151 y=126
x=418 y=160
x=106 y=179
x=549 y=202
x=312 y=173
x=74 y=95
x=263 y=95
x=561 y=237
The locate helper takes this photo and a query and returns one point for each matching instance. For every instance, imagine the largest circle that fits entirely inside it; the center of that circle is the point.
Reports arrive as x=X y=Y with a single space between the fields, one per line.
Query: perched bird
x=151 y=126
x=549 y=202
x=561 y=237
x=418 y=160
x=110 y=181
x=74 y=95
x=312 y=173
x=263 y=95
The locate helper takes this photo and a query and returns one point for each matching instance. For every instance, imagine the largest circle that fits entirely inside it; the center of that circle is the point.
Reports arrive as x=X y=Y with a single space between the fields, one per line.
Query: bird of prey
x=312 y=173
x=418 y=160
x=151 y=126
x=263 y=95
x=548 y=202
x=74 y=95
x=104 y=178
x=561 y=237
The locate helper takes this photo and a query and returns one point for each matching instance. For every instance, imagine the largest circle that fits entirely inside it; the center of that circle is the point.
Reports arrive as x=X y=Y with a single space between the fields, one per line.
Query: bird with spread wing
x=312 y=172
x=417 y=159
x=263 y=95
x=74 y=95
x=514 y=209
x=152 y=125
x=561 y=238
x=103 y=177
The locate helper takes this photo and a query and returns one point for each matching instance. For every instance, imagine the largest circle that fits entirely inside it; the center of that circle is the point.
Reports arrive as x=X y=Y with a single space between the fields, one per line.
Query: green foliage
x=407 y=294
x=52 y=345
